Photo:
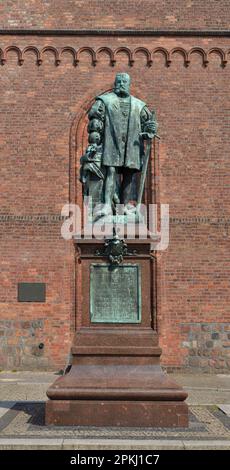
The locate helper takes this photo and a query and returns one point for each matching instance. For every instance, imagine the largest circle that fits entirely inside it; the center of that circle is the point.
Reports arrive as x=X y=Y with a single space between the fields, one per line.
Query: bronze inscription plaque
x=115 y=293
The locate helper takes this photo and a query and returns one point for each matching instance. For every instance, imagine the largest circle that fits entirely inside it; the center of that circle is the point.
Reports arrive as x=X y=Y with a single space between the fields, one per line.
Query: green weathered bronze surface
x=119 y=124
x=115 y=293
x=115 y=249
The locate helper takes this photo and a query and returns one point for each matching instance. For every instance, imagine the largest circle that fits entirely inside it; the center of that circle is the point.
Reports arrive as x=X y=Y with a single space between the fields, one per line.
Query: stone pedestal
x=116 y=378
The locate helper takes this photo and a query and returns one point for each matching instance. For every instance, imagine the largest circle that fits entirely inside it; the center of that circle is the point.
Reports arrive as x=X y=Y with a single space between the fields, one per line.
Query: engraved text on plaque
x=115 y=293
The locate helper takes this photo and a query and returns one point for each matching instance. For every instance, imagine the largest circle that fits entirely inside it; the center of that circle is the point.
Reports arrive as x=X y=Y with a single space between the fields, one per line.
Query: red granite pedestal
x=116 y=378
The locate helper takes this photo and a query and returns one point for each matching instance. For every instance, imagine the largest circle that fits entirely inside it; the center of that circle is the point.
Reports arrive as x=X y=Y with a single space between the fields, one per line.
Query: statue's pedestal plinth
x=116 y=378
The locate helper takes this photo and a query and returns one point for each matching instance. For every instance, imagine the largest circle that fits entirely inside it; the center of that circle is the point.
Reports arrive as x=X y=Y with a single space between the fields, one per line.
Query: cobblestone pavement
x=26 y=419
x=22 y=408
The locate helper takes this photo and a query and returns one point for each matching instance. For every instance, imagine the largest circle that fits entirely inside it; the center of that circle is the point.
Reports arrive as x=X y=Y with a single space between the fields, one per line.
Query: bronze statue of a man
x=118 y=125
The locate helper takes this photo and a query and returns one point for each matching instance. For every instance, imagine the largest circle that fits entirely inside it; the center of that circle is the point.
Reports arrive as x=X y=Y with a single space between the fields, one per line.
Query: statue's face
x=122 y=84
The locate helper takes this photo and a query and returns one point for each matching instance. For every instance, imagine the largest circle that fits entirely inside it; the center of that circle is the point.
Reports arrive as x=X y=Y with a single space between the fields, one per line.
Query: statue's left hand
x=150 y=127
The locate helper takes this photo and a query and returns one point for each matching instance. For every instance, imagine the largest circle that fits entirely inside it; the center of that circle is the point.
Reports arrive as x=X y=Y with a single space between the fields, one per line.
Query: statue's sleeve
x=96 y=122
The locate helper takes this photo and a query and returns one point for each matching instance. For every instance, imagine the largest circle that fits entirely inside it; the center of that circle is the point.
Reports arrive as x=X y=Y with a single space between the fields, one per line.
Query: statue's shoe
x=104 y=211
x=129 y=209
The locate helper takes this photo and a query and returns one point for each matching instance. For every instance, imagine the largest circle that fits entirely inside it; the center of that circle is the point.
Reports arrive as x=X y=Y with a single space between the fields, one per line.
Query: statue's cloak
x=113 y=153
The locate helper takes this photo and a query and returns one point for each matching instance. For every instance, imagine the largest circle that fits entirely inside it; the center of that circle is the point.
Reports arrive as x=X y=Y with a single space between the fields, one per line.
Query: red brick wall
x=173 y=14
x=40 y=104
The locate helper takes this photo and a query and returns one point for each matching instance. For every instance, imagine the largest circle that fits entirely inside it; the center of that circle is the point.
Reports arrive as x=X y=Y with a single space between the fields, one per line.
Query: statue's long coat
x=112 y=148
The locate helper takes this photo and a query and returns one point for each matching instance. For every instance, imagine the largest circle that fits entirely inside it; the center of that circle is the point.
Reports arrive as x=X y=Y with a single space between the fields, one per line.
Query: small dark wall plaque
x=115 y=293
x=31 y=292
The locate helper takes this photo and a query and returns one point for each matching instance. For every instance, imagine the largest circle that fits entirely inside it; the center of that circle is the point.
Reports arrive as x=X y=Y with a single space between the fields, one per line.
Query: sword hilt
x=149 y=138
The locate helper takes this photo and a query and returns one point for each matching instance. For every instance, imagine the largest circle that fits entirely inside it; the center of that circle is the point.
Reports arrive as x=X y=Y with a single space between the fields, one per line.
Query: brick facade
x=45 y=90
x=138 y=14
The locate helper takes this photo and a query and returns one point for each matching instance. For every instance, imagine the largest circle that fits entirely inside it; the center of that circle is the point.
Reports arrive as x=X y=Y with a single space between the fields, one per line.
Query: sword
x=145 y=164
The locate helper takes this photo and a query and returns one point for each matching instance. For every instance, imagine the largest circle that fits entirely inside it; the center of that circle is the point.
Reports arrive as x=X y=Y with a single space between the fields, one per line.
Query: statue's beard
x=121 y=91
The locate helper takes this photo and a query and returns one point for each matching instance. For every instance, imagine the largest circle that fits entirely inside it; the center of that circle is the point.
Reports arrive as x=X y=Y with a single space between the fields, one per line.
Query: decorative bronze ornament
x=115 y=249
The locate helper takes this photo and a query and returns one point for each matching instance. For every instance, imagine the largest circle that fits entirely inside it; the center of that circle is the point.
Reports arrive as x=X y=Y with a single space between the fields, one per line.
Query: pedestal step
x=116 y=413
x=116 y=395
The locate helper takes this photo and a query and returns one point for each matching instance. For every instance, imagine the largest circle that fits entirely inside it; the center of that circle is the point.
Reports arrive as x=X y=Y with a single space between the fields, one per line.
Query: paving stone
x=225 y=408
x=207 y=445
x=117 y=444
x=33 y=444
x=5 y=406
